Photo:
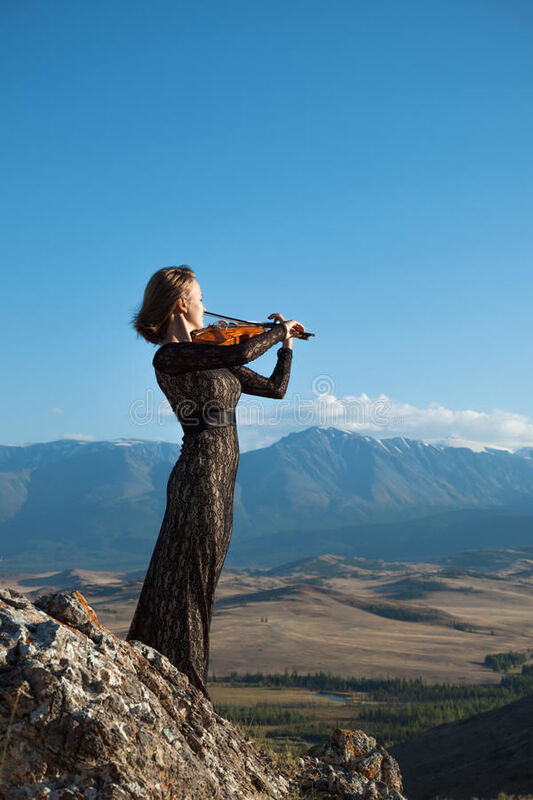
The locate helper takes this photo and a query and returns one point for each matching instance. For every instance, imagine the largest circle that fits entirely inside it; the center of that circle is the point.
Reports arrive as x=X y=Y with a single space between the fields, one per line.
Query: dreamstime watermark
x=322 y=409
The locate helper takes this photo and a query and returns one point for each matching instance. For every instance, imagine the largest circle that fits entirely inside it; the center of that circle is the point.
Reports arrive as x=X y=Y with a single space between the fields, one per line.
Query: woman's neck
x=178 y=331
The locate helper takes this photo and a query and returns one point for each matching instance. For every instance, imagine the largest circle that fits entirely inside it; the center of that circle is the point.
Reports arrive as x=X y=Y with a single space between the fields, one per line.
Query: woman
x=202 y=383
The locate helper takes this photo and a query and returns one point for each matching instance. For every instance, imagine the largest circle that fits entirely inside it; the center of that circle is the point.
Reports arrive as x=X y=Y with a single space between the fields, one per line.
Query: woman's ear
x=181 y=307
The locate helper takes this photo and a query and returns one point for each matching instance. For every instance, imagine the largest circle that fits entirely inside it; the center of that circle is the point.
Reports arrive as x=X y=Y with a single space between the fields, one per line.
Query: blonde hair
x=163 y=290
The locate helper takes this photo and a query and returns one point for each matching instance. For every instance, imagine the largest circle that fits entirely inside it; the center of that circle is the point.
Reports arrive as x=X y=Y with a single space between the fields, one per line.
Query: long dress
x=174 y=610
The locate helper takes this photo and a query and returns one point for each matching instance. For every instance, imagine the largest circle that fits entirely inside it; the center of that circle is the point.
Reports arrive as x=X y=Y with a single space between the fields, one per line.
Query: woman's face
x=195 y=307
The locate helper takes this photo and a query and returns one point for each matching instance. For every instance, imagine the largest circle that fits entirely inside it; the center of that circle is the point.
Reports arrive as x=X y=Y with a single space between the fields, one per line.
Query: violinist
x=202 y=380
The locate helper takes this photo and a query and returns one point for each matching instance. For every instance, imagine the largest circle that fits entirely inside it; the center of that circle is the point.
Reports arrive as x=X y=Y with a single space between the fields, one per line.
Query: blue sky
x=364 y=167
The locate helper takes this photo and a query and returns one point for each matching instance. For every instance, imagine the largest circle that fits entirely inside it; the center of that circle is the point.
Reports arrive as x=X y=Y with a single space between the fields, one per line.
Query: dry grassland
x=318 y=619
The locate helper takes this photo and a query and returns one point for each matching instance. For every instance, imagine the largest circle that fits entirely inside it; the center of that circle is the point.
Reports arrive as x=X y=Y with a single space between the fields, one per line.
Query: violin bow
x=251 y=322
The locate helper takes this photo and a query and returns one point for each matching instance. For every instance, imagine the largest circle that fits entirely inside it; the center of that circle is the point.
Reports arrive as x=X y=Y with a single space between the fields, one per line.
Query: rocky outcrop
x=350 y=765
x=84 y=714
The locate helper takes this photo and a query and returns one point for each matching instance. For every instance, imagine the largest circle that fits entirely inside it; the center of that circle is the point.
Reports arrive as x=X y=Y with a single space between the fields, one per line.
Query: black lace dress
x=173 y=613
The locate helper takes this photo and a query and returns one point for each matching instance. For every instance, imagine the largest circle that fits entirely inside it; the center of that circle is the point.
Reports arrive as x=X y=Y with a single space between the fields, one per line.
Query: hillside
x=481 y=756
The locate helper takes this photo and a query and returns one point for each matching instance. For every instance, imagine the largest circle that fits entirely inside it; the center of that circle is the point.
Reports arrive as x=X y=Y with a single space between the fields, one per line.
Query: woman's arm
x=275 y=386
x=177 y=357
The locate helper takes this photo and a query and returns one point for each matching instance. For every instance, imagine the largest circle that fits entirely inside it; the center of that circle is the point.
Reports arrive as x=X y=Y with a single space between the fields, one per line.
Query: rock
x=84 y=714
x=350 y=765
x=98 y=717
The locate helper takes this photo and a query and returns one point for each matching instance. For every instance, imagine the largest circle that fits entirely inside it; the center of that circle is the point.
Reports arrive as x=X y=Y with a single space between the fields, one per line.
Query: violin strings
x=235 y=319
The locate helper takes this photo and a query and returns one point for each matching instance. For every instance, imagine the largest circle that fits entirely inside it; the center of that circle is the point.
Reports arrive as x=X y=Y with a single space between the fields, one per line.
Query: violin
x=237 y=331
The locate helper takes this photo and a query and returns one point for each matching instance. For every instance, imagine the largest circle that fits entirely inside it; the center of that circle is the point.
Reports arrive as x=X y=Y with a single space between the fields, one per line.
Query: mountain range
x=99 y=505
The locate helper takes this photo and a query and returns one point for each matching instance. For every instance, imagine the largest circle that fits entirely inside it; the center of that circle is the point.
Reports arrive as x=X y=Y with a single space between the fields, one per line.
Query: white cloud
x=57 y=411
x=383 y=417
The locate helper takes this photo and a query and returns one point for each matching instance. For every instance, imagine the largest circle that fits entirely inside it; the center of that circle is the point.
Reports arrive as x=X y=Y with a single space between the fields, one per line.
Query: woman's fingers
x=294 y=328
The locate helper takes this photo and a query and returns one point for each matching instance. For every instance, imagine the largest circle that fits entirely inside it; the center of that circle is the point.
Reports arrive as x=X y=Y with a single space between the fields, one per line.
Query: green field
x=286 y=713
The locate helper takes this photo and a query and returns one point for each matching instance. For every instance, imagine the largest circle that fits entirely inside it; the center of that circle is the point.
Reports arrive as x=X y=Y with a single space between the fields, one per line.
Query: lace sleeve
x=275 y=386
x=177 y=357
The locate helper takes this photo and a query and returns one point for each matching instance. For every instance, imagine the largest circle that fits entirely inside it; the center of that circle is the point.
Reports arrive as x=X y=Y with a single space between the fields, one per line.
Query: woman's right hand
x=293 y=328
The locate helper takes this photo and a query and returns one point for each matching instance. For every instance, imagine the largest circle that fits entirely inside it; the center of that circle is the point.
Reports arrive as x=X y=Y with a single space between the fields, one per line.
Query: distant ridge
x=429 y=538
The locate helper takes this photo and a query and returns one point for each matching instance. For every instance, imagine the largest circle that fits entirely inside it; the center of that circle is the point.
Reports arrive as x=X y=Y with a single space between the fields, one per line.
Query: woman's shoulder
x=173 y=357
x=163 y=351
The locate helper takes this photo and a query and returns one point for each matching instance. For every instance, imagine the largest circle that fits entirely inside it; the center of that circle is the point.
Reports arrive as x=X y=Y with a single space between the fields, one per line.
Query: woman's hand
x=292 y=328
